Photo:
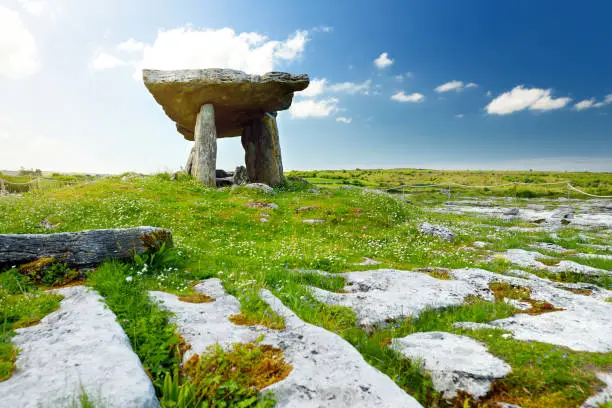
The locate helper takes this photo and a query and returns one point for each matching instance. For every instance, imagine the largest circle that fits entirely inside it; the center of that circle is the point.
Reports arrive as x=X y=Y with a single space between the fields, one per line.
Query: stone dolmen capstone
x=207 y=104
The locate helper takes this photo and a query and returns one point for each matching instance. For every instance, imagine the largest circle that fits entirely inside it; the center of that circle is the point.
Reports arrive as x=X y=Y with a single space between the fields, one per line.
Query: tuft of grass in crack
x=227 y=378
x=503 y=290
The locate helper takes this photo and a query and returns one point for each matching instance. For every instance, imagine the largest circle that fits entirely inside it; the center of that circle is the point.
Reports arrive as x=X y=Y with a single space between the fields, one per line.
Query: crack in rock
x=327 y=370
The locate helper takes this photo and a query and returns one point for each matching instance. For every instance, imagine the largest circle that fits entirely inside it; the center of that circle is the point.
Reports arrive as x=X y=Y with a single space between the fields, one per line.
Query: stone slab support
x=205 y=149
x=189 y=165
x=262 y=151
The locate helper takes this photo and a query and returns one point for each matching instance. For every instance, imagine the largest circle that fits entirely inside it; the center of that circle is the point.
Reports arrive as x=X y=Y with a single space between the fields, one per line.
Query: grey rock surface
x=240 y=176
x=583 y=214
x=204 y=324
x=80 y=345
x=383 y=294
x=529 y=259
x=437 y=231
x=237 y=97
x=455 y=363
x=512 y=212
x=261 y=187
x=313 y=221
x=368 y=262
x=583 y=325
x=327 y=370
x=258 y=204
x=602 y=396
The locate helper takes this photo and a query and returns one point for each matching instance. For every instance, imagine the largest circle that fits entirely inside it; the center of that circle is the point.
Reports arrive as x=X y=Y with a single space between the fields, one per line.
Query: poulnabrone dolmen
x=210 y=103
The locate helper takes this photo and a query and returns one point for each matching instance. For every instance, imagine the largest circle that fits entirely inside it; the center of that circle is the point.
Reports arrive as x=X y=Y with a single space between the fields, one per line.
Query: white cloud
x=401 y=77
x=343 y=119
x=592 y=103
x=455 y=85
x=459 y=116
x=450 y=86
x=18 y=53
x=521 y=98
x=292 y=47
x=402 y=97
x=586 y=104
x=131 y=45
x=547 y=103
x=35 y=7
x=312 y=108
x=383 y=61
x=105 y=60
x=315 y=88
x=489 y=94
x=351 y=87
x=318 y=86
x=189 y=48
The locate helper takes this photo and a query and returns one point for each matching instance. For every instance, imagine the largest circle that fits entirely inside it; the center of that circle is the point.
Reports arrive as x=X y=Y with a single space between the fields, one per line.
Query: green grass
x=153 y=337
x=218 y=235
x=543 y=375
x=19 y=310
x=593 y=183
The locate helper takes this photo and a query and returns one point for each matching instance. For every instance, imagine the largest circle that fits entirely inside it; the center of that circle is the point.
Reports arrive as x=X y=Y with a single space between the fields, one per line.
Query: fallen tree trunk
x=82 y=248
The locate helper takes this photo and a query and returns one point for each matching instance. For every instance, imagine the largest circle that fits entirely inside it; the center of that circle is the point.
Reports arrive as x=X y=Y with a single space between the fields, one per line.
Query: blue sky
x=436 y=84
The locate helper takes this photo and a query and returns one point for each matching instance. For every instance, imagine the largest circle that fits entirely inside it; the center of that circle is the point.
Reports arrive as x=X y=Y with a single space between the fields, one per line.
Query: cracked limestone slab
x=79 y=346
x=327 y=370
x=586 y=213
x=561 y=250
x=204 y=324
x=529 y=259
x=602 y=396
x=383 y=294
x=455 y=363
x=584 y=325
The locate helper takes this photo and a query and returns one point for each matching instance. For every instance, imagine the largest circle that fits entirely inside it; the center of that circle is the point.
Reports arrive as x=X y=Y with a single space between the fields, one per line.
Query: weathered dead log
x=82 y=248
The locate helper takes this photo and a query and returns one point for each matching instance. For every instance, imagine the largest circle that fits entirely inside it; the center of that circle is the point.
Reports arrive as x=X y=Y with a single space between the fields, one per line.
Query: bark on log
x=82 y=248
x=262 y=151
x=205 y=154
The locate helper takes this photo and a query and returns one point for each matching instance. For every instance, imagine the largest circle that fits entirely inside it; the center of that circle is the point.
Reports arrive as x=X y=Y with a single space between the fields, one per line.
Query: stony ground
x=344 y=297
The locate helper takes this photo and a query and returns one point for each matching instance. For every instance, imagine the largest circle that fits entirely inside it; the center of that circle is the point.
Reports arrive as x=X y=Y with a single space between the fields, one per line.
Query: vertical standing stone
x=205 y=149
x=189 y=165
x=262 y=151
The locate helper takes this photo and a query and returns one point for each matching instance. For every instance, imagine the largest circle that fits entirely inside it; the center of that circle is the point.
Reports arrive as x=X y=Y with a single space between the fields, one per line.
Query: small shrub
x=49 y=272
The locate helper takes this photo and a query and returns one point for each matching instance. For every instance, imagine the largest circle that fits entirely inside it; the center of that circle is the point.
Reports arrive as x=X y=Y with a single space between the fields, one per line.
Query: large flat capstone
x=238 y=97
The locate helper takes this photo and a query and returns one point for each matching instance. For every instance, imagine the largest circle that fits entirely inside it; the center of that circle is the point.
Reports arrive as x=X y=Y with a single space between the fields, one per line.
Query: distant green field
x=527 y=181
